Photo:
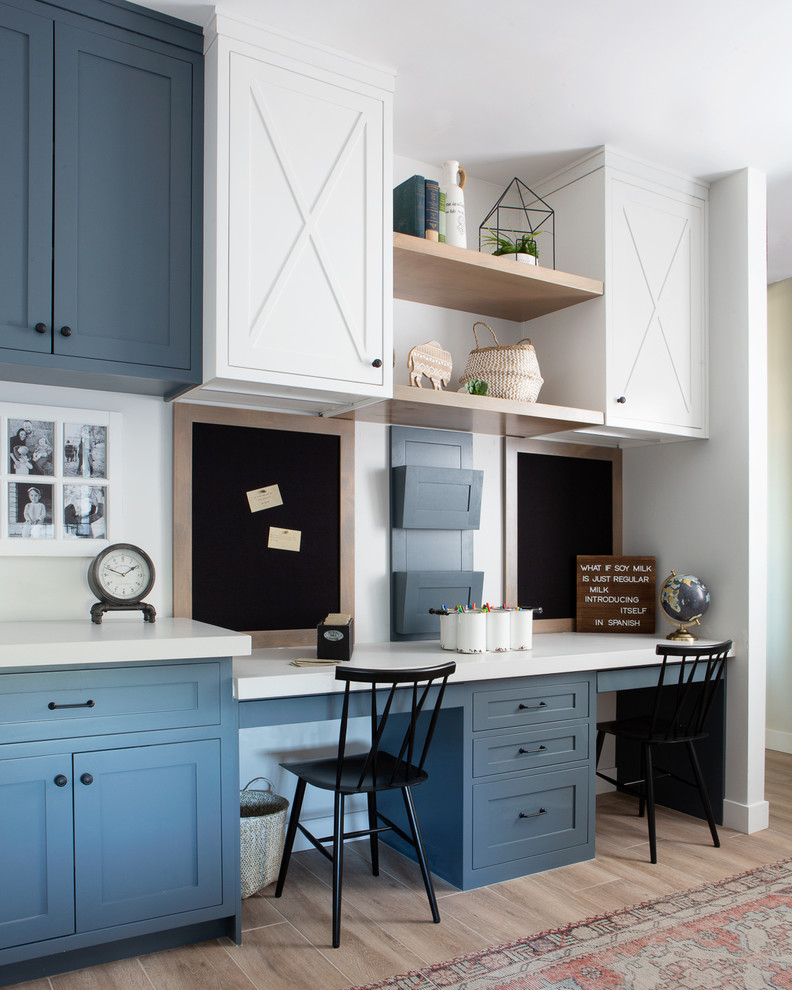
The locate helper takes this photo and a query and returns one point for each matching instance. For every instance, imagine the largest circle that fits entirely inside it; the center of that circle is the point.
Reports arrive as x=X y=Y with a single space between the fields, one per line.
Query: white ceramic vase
x=452 y=184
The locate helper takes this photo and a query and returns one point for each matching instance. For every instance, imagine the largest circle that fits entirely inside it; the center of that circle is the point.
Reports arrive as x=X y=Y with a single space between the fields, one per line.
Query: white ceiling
x=522 y=87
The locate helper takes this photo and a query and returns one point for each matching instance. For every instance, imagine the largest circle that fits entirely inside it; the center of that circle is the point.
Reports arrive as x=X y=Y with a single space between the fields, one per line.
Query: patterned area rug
x=732 y=935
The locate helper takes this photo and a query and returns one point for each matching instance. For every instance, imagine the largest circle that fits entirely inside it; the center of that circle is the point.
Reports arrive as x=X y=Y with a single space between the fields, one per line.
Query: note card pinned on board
x=264 y=498
x=284 y=539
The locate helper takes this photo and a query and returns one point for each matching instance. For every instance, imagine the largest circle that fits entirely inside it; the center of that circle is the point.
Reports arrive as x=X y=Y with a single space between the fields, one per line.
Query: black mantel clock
x=121 y=576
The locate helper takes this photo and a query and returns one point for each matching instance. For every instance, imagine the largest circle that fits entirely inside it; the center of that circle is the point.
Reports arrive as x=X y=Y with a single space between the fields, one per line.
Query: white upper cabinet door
x=306 y=215
x=655 y=305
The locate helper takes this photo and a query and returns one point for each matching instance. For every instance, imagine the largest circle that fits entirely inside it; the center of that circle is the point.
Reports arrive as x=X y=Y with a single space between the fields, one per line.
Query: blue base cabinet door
x=36 y=851
x=147 y=825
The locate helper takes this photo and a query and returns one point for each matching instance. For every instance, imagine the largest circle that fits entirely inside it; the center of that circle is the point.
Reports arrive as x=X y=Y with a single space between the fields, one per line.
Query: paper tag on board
x=264 y=498
x=284 y=539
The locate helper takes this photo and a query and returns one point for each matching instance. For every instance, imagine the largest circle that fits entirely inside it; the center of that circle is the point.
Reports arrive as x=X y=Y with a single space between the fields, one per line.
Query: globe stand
x=683 y=634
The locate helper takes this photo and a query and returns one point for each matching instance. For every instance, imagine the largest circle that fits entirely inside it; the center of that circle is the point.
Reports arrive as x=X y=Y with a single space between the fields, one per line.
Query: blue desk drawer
x=64 y=703
x=531 y=749
x=529 y=816
x=531 y=703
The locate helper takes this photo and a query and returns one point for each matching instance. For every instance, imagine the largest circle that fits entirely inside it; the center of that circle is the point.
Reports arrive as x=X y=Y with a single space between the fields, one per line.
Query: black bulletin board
x=561 y=500
x=230 y=574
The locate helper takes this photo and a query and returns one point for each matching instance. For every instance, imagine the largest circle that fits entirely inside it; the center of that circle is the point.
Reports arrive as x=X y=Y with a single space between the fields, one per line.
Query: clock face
x=121 y=574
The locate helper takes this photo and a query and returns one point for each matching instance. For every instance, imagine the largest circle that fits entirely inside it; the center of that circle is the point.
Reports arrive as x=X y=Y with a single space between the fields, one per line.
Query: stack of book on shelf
x=419 y=208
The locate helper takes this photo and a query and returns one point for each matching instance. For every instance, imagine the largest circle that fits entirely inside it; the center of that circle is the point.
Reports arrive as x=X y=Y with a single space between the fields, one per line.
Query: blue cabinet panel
x=66 y=702
x=25 y=179
x=530 y=815
x=36 y=854
x=100 y=199
x=123 y=197
x=147 y=832
x=538 y=700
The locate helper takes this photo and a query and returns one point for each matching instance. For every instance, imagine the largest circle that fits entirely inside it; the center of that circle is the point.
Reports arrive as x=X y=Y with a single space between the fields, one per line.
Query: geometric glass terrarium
x=520 y=224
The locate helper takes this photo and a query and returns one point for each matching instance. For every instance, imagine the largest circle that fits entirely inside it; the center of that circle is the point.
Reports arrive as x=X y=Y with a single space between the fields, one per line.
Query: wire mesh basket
x=262 y=830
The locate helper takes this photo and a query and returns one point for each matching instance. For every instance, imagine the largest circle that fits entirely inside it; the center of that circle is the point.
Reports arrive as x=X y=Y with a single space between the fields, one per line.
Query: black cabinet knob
x=40 y=328
x=622 y=399
x=66 y=331
x=86 y=779
x=376 y=363
x=61 y=781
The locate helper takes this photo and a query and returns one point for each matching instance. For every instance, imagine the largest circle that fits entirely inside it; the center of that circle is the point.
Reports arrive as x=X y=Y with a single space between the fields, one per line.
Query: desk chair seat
x=417 y=696
x=684 y=694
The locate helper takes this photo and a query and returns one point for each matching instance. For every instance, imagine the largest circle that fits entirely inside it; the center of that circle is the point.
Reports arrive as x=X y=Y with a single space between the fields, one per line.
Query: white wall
x=55 y=587
x=779 y=612
x=701 y=507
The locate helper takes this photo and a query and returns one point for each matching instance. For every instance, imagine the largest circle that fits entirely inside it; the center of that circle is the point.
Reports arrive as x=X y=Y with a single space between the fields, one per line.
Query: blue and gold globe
x=683 y=600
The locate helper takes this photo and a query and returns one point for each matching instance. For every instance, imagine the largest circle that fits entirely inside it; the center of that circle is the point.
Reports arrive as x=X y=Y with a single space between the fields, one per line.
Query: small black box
x=335 y=638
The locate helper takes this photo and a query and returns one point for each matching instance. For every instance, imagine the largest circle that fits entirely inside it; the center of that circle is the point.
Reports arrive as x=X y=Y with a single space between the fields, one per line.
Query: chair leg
x=291 y=832
x=642 y=799
x=415 y=828
x=338 y=866
x=650 y=802
x=374 y=837
x=702 y=789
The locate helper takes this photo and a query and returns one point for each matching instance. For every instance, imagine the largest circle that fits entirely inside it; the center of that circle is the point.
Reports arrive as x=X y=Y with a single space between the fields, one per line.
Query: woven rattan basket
x=262 y=829
x=511 y=370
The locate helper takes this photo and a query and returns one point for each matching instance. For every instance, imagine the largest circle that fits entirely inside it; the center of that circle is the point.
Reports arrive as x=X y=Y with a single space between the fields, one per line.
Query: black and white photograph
x=84 y=512
x=30 y=511
x=84 y=450
x=31 y=447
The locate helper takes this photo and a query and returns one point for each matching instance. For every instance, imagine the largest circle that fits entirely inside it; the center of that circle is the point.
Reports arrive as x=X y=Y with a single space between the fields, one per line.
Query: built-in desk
x=512 y=769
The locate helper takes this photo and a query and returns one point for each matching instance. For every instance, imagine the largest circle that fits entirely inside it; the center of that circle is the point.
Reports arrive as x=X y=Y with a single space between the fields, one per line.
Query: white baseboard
x=746 y=818
x=779 y=741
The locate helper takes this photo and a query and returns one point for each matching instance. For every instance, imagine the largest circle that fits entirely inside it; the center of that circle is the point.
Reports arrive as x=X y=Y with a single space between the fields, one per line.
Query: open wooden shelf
x=411 y=406
x=457 y=278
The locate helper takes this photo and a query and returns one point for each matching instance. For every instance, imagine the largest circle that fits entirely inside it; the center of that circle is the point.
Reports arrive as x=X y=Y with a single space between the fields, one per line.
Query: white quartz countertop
x=117 y=640
x=268 y=674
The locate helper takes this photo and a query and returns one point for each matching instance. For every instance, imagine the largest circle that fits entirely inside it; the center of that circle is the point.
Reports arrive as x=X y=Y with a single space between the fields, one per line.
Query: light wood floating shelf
x=457 y=278
x=411 y=406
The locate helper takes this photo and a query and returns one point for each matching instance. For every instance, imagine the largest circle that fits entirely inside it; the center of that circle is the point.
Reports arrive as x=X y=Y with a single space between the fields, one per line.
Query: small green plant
x=477 y=387
x=519 y=244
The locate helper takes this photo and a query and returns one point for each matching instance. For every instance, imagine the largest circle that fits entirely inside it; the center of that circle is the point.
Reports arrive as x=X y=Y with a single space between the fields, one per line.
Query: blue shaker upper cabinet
x=123 y=188
x=101 y=189
x=25 y=180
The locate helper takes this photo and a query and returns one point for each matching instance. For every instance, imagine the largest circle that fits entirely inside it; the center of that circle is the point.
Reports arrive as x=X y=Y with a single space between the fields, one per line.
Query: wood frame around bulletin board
x=315 y=476
x=515 y=507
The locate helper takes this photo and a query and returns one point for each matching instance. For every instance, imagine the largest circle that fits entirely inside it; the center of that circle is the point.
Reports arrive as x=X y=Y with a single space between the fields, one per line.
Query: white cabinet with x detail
x=640 y=353
x=298 y=273
x=656 y=305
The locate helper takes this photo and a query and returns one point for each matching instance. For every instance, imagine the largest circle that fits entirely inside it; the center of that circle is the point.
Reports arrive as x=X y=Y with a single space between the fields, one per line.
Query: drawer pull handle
x=527 y=752
x=534 y=814
x=83 y=704
x=530 y=708
x=61 y=780
x=86 y=779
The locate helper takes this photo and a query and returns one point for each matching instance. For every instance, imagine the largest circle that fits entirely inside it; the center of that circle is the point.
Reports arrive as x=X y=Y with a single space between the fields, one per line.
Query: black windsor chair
x=685 y=691
x=375 y=770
